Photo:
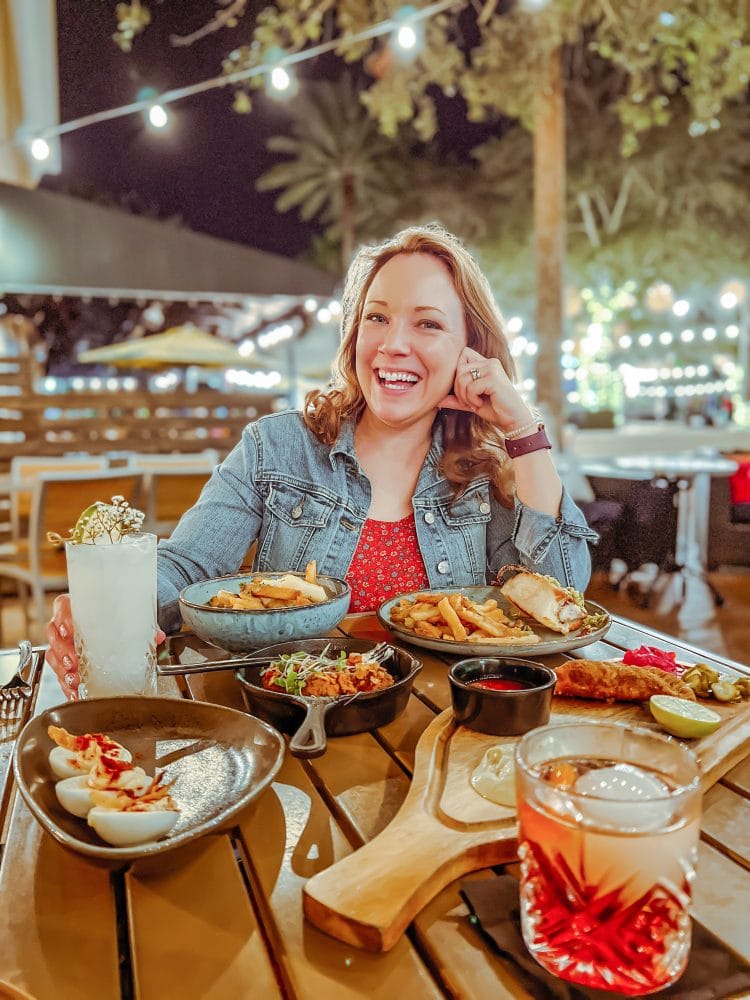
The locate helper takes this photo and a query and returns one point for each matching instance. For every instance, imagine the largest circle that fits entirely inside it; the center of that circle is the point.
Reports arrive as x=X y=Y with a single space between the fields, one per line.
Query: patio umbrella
x=180 y=345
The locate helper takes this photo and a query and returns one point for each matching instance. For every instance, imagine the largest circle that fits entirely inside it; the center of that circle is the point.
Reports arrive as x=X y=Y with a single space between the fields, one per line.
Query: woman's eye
x=430 y=324
x=375 y=317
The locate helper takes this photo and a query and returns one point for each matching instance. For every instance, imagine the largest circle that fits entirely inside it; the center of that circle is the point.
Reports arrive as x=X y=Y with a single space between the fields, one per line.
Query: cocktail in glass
x=113 y=601
x=608 y=833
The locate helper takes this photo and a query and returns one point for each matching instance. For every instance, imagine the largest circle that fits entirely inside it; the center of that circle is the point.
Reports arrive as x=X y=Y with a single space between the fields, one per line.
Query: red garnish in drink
x=598 y=939
x=652 y=656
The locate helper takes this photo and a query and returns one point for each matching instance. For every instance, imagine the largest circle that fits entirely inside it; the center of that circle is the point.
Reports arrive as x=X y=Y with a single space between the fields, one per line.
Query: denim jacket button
x=484 y=508
x=297 y=512
x=429 y=517
x=444 y=566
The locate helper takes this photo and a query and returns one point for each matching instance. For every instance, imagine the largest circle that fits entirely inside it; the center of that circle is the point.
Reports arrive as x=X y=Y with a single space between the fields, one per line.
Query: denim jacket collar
x=430 y=473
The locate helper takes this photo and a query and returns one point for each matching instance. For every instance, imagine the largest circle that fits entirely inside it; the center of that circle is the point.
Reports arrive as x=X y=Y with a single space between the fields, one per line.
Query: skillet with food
x=294 y=686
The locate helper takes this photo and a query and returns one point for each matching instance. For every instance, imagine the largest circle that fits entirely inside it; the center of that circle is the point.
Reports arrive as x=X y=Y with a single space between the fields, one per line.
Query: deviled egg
x=108 y=776
x=124 y=819
x=76 y=755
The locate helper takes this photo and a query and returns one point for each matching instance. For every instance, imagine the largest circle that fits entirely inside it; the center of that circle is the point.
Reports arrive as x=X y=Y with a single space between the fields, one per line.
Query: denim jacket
x=302 y=500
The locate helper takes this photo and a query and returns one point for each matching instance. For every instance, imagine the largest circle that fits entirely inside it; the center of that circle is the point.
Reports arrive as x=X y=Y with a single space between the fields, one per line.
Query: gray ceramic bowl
x=218 y=758
x=242 y=631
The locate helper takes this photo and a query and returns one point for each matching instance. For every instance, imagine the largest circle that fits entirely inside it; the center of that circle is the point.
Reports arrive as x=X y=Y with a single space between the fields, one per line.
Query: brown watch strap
x=525 y=445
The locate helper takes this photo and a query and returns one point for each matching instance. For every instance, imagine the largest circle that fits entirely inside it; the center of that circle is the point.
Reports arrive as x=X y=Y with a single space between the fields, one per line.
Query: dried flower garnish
x=102 y=523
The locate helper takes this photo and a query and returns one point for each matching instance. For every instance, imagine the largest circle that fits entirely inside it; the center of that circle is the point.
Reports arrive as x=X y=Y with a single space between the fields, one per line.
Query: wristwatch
x=525 y=445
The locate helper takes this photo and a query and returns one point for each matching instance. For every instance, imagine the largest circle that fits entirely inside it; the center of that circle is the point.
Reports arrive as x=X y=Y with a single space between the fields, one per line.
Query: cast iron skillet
x=312 y=719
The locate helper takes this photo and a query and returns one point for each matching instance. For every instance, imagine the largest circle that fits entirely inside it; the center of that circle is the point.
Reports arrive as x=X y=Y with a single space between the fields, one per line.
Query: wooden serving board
x=444 y=829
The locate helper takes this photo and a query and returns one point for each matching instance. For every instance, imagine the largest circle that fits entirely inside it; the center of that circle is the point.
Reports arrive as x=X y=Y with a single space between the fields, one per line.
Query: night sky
x=205 y=168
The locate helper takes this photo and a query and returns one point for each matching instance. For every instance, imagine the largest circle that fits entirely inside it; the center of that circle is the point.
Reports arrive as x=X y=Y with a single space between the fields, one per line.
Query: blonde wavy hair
x=472 y=446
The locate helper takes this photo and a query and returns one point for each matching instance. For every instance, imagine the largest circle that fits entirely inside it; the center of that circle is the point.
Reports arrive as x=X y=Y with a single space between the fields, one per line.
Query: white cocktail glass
x=113 y=601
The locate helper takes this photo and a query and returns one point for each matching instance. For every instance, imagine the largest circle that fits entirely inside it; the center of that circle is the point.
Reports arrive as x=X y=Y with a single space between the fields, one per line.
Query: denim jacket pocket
x=294 y=517
x=466 y=520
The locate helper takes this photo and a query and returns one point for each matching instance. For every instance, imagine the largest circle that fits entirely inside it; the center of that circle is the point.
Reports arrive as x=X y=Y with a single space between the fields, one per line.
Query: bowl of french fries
x=454 y=616
x=249 y=610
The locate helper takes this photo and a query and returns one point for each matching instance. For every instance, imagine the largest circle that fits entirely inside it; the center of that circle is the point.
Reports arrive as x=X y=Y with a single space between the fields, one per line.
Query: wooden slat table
x=223 y=917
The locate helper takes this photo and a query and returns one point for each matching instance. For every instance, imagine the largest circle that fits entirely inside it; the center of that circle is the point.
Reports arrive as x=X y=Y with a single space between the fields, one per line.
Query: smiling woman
x=415 y=468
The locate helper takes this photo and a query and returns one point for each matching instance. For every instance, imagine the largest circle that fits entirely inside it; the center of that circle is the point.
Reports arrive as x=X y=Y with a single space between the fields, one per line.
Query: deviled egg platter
x=121 y=803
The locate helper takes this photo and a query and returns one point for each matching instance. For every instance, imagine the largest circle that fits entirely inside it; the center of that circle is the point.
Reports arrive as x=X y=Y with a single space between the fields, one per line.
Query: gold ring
x=474 y=373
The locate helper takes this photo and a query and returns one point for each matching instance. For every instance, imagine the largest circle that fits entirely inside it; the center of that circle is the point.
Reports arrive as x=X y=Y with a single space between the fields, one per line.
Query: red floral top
x=386 y=562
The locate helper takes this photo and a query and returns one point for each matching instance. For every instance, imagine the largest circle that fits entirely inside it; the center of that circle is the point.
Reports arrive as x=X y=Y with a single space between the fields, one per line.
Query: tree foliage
x=699 y=48
x=334 y=150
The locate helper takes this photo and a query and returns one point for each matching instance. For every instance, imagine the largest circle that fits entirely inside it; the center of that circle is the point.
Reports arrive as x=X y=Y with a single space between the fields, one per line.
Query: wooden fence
x=35 y=423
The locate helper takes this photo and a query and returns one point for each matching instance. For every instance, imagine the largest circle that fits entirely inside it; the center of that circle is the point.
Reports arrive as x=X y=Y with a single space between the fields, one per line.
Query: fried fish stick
x=613 y=680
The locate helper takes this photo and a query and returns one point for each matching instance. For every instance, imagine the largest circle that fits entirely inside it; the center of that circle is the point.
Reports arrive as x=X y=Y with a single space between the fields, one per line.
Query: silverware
x=379 y=653
x=17 y=691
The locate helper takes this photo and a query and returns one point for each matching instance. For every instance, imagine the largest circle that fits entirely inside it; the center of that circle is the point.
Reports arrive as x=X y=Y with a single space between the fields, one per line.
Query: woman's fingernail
x=67 y=662
x=63 y=631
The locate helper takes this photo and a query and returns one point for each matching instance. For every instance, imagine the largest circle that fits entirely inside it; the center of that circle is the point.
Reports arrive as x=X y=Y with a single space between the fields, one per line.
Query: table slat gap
x=470 y=965
x=726 y=822
x=397 y=758
x=262 y=913
x=315 y=964
x=123 y=934
x=324 y=773
x=738 y=777
x=721 y=893
x=194 y=907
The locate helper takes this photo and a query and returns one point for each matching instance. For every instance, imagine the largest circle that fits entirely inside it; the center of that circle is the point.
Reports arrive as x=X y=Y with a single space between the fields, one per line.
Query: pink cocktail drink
x=608 y=830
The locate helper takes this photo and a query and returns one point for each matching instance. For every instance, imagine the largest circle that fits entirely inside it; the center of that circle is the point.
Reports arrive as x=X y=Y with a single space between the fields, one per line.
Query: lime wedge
x=682 y=717
x=82 y=530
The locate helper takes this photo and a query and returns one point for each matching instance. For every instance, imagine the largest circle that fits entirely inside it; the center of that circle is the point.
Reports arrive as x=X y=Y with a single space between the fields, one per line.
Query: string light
x=40 y=149
x=143 y=105
x=408 y=37
x=158 y=116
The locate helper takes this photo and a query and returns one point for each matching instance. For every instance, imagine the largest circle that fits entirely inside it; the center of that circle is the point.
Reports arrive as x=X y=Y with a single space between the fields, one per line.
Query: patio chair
x=24 y=471
x=205 y=460
x=168 y=494
x=57 y=500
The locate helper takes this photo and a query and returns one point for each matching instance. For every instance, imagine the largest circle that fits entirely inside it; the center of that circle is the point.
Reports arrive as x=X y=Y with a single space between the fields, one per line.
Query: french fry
x=452 y=620
x=456 y=618
x=428 y=598
x=428 y=631
x=430 y=614
x=485 y=624
x=256 y=594
x=222 y=599
x=277 y=593
x=247 y=603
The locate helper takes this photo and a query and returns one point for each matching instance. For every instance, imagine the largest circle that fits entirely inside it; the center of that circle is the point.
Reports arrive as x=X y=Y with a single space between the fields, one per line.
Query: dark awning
x=54 y=241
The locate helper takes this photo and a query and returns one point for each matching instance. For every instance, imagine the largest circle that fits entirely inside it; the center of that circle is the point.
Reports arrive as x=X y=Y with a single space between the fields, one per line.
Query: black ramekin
x=501 y=713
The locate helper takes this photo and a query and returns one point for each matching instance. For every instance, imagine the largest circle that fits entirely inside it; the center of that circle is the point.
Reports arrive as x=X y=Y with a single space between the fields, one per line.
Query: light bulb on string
x=40 y=149
x=158 y=116
x=681 y=307
x=407 y=38
x=280 y=81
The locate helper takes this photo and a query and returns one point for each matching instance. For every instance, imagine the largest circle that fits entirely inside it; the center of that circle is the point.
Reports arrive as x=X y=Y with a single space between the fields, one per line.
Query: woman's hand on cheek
x=482 y=386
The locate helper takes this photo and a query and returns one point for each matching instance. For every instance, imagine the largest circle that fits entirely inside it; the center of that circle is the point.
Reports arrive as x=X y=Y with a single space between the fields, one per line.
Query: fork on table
x=16 y=692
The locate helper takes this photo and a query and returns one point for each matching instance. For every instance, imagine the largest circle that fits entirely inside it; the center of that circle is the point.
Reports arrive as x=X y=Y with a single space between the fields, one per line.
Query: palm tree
x=341 y=169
